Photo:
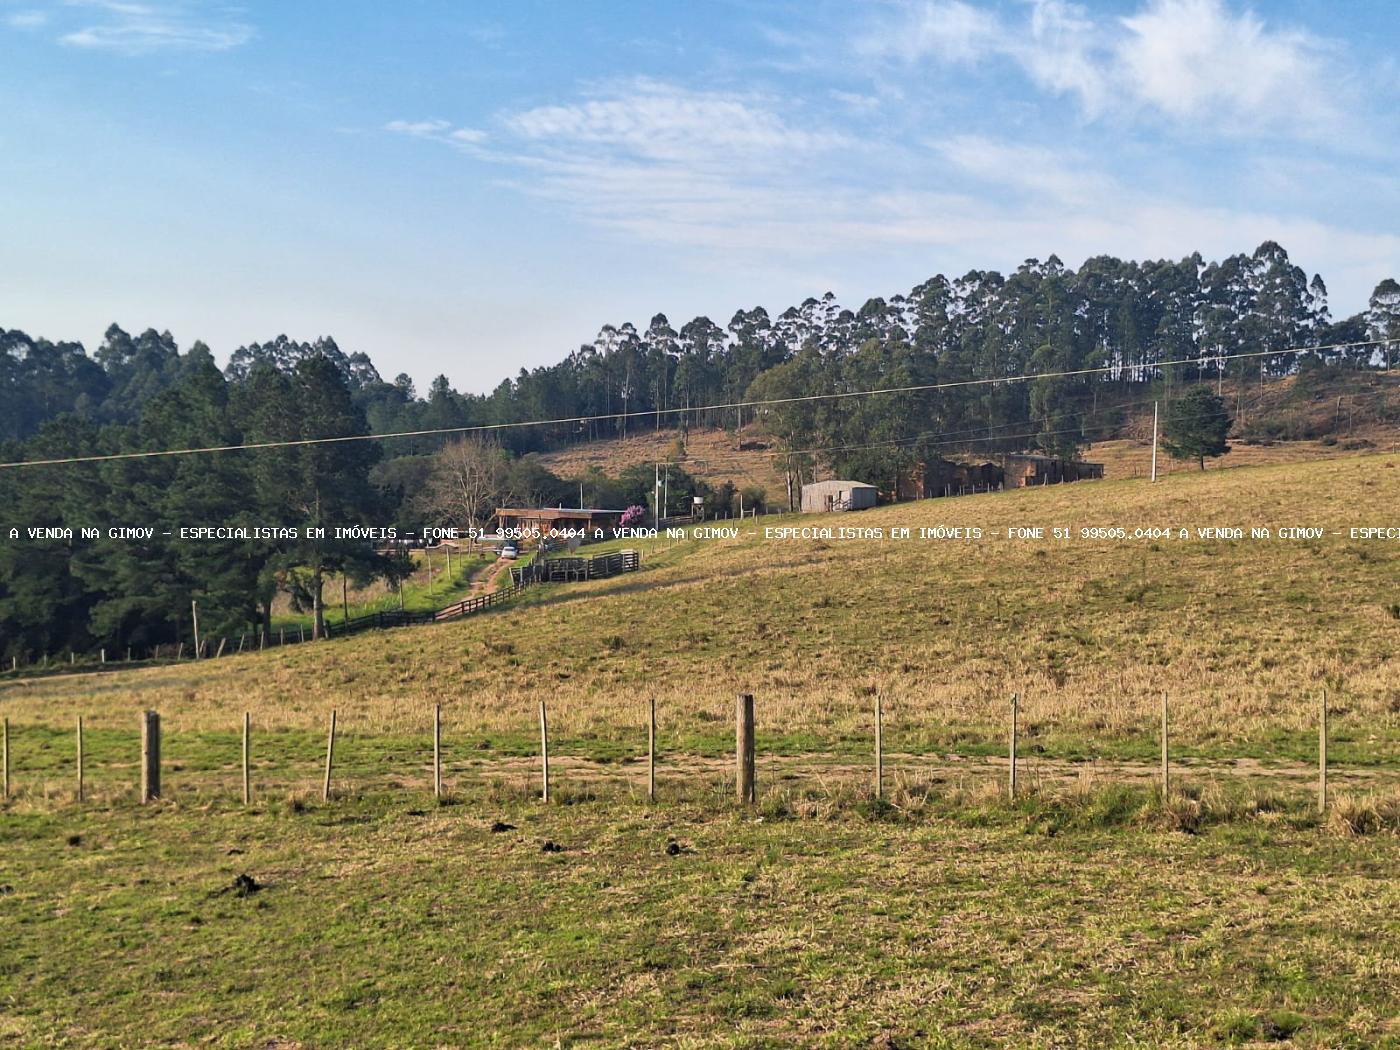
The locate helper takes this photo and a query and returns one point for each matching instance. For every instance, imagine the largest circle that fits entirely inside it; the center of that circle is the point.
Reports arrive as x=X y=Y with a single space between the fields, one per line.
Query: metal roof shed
x=821 y=497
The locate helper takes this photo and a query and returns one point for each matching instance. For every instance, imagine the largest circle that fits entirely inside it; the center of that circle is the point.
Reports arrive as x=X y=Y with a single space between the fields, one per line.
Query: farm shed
x=822 y=496
x=559 y=519
x=942 y=477
x=1020 y=471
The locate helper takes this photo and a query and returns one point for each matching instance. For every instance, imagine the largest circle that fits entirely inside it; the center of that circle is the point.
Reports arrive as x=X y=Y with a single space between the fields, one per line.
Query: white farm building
x=823 y=496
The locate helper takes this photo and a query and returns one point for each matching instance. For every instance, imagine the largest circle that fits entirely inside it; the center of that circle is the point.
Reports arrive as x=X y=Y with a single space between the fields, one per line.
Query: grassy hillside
x=1243 y=634
x=710 y=455
x=1089 y=912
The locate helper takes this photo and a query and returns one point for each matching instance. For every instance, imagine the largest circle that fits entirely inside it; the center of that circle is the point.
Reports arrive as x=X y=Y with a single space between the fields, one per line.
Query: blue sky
x=470 y=189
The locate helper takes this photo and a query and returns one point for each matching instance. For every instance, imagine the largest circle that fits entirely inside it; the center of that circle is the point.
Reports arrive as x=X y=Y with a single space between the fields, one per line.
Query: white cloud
x=421 y=128
x=1063 y=53
x=650 y=119
x=856 y=101
x=753 y=182
x=437 y=130
x=141 y=28
x=1191 y=58
x=949 y=30
x=1194 y=61
x=1059 y=176
x=26 y=19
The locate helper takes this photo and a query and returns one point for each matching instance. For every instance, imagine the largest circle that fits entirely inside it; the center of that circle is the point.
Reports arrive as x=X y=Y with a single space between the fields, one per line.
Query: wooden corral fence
x=562 y=570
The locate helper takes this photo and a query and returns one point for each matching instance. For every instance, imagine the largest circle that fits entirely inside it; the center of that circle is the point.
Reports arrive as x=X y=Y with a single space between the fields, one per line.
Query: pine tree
x=316 y=487
x=1196 y=427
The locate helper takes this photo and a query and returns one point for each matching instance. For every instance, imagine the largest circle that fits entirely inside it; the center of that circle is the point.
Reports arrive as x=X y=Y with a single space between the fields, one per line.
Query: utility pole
x=194 y=612
x=345 y=597
x=656 y=492
x=1154 y=441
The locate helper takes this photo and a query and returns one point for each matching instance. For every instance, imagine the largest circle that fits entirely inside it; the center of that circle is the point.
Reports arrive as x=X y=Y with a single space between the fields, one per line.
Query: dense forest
x=1144 y=327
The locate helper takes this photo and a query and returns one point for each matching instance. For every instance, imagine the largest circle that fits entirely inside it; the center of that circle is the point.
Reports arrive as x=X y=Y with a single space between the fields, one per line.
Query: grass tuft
x=1369 y=814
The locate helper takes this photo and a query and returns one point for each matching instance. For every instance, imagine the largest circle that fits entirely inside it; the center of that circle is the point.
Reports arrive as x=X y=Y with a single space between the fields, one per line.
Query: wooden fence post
x=744 y=750
x=1322 y=756
x=1166 y=768
x=1015 y=701
x=437 y=751
x=879 y=748
x=150 y=756
x=544 y=752
x=80 y=758
x=651 y=752
x=247 y=746
x=330 y=753
x=5 y=760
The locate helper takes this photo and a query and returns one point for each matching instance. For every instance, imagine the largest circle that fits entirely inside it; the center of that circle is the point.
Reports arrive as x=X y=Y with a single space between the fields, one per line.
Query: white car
x=510 y=550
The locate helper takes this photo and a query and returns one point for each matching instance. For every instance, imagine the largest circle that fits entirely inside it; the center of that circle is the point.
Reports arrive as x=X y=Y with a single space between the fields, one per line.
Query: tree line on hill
x=1146 y=325
x=135 y=589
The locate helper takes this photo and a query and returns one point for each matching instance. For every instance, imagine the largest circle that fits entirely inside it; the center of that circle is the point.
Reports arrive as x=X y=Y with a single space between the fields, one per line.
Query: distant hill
x=1287 y=419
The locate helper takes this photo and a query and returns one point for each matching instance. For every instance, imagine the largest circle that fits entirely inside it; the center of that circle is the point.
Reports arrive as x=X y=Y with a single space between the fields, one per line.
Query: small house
x=532 y=523
x=822 y=497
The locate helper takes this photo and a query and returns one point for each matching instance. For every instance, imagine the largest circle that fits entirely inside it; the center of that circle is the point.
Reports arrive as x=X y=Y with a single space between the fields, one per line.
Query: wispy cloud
x=948 y=30
x=1060 y=176
x=659 y=162
x=1197 y=61
x=27 y=19
x=1189 y=58
x=437 y=130
x=418 y=128
x=761 y=182
x=646 y=118
x=133 y=28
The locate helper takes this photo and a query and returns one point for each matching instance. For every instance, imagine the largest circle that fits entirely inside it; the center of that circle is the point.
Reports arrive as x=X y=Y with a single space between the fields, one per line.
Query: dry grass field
x=710 y=455
x=1242 y=633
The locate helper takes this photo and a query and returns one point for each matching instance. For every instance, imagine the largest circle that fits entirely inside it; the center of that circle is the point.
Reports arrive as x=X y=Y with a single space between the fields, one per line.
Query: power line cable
x=656 y=413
